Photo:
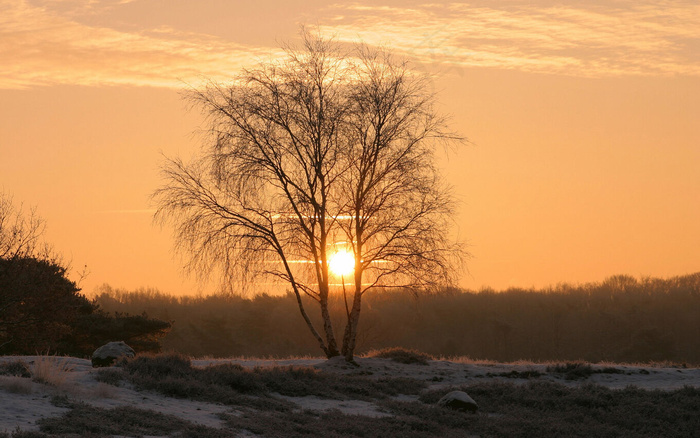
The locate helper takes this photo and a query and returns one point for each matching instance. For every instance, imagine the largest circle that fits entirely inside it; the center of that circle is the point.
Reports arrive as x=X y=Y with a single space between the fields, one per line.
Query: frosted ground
x=24 y=401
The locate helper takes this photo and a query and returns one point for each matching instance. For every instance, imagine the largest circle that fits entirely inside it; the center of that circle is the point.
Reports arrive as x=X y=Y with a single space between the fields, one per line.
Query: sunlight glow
x=342 y=263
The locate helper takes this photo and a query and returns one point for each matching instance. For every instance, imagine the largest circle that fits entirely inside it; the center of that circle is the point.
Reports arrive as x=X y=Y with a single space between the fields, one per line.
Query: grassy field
x=258 y=404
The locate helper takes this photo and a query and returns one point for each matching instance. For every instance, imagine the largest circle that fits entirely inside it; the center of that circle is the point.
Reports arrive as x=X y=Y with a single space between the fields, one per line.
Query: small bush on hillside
x=611 y=370
x=17 y=368
x=16 y=385
x=110 y=376
x=161 y=365
x=401 y=355
x=572 y=370
x=51 y=370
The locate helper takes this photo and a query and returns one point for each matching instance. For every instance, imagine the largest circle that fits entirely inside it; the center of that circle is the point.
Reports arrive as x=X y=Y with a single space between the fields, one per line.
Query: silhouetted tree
x=42 y=310
x=396 y=205
x=325 y=149
x=38 y=304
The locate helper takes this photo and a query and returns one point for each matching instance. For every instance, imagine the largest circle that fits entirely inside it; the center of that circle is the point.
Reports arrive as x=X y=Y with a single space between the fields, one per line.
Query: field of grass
x=258 y=402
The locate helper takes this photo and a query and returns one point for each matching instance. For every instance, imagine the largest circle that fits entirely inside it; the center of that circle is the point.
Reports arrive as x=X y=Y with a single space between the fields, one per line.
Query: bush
x=17 y=368
x=572 y=370
x=50 y=370
x=401 y=355
x=157 y=366
x=110 y=376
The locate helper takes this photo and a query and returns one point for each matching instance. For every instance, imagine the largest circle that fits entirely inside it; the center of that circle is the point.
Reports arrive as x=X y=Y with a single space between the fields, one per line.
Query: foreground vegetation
x=537 y=408
x=621 y=320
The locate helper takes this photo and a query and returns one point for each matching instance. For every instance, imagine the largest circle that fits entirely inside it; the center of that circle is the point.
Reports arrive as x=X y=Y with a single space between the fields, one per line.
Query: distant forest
x=622 y=319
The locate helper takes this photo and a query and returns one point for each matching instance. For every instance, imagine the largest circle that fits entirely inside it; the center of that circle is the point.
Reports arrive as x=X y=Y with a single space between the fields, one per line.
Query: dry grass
x=16 y=385
x=537 y=408
x=51 y=370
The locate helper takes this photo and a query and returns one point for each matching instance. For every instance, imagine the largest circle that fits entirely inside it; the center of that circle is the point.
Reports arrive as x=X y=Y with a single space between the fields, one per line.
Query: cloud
x=40 y=46
x=50 y=41
x=625 y=38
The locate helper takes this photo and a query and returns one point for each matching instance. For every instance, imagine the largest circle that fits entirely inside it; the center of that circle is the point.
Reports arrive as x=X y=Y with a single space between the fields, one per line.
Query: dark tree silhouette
x=42 y=310
x=323 y=151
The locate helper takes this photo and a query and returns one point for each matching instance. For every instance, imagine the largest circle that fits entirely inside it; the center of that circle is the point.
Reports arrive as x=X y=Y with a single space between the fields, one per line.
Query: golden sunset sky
x=583 y=119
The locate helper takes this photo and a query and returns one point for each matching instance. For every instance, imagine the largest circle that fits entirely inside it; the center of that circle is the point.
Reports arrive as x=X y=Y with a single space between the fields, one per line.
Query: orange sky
x=584 y=121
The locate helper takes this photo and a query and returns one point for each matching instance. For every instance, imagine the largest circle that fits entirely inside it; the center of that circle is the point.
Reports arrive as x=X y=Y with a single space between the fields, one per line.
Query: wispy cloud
x=49 y=41
x=39 y=46
x=627 y=38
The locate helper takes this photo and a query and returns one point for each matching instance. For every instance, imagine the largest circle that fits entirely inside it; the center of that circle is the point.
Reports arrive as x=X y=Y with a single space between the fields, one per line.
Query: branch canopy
x=323 y=151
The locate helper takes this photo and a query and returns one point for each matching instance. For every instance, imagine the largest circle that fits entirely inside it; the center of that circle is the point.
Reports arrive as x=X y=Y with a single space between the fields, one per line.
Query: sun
x=342 y=263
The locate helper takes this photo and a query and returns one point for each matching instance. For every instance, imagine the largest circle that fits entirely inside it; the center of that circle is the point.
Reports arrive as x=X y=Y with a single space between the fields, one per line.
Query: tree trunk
x=326 y=349
x=331 y=344
x=311 y=327
x=350 y=334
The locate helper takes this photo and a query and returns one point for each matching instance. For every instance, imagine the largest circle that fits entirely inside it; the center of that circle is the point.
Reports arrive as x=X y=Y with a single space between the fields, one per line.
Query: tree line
x=621 y=319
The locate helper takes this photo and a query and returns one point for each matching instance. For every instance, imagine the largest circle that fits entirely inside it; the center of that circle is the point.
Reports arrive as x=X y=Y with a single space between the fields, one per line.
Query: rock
x=459 y=401
x=107 y=354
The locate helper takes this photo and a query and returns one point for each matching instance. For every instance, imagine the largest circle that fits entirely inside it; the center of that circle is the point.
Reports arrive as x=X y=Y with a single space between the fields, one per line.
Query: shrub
x=158 y=366
x=110 y=376
x=16 y=385
x=572 y=370
x=16 y=368
x=401 y=355
x=51 y=370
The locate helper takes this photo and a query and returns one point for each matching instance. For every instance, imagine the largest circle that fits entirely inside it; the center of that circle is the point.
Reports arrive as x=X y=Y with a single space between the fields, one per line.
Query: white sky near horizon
x=583 y=120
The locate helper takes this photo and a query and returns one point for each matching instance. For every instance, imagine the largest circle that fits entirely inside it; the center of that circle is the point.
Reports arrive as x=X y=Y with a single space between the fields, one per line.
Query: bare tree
x=21 y=232
x=397 y=208
x=321 y=150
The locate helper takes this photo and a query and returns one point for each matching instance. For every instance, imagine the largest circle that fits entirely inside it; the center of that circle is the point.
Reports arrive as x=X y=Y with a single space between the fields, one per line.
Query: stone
x=107 y=354
x=459 y=401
